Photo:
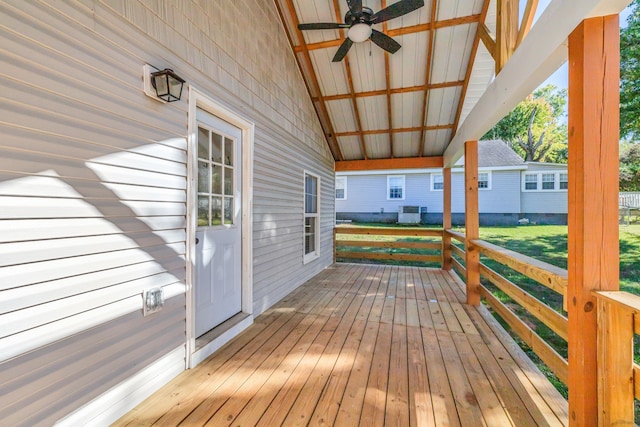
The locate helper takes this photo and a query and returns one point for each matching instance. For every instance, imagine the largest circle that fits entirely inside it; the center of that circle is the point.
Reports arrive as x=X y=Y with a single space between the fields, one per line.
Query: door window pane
x=228 y=152
x=216 y=179
x=228 y=210
x=216 y=148
x=216 y=210
x=228 y=181
x=203 y=177
x=203 y=211
x=203 y=143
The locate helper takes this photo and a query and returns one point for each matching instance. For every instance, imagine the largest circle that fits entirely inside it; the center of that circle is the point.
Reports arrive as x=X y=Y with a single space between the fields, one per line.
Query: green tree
x=630 y=167
x=630 y=75
x=535 y=128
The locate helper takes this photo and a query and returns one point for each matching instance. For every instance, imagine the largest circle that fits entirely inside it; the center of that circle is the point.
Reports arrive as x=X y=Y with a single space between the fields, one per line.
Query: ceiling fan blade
x=322 y=26
x=395 y=10
x=384 y=41
x=342 y=50
x=355 y=6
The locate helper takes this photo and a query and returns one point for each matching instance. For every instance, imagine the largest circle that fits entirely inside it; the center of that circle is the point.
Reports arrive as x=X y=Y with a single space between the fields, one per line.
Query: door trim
x=198 y=99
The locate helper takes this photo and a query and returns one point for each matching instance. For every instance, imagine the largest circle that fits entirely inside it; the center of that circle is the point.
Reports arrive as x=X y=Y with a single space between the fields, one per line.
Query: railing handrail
x=417 y=232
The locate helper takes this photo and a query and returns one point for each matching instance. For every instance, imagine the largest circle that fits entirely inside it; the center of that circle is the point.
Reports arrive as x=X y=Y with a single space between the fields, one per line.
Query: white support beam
x=540 y=54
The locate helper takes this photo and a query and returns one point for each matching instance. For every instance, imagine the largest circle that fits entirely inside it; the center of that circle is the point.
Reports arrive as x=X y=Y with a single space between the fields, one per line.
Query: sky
x=561 y=77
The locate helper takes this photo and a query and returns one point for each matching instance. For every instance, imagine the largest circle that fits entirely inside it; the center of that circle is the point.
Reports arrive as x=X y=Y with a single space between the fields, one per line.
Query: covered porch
x=364 y=344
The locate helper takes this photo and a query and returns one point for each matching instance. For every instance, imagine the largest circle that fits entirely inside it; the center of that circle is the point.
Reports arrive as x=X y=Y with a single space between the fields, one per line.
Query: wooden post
x=446 y=219
x=593 y=261
x=615 y=364
x=472 y=221
x=335 y=243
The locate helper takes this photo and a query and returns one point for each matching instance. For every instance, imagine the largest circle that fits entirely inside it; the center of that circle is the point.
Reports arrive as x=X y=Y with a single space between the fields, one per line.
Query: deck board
x=363 y=345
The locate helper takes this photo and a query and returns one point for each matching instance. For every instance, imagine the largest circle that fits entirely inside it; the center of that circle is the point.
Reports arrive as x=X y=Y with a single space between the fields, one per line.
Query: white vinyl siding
x=341 y=188
x=395 y=187
x=93 y=186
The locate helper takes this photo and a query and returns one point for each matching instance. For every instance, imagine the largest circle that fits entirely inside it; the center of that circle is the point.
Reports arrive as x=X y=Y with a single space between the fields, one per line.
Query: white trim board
x=110 y=406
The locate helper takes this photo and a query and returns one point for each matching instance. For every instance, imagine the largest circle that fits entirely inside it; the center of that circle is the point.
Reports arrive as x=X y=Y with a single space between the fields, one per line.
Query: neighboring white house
x=509 y=189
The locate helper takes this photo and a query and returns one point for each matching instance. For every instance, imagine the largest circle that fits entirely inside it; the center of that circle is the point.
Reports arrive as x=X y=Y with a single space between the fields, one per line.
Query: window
x=483 y=181
x=437 y=182
x=395 y=187
x=548 y=181
x=341 y=188
x=216 y=186
x=311 y=216
x=531 y=181
x=564 y=181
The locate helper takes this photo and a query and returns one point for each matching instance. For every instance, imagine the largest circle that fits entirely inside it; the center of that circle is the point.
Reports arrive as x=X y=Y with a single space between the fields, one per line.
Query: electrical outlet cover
x=153 y=300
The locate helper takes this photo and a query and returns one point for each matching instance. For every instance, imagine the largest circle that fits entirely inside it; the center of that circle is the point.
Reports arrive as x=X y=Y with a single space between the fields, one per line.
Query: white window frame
x=433 y=181
x=344 y=186
x=488 y=187
x=539 y=182
x=404 y=188
x=315 y=254
x=560 y=181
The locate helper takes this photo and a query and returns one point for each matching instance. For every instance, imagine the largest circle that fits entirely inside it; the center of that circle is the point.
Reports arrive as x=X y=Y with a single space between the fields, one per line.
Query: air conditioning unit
x=409 y=215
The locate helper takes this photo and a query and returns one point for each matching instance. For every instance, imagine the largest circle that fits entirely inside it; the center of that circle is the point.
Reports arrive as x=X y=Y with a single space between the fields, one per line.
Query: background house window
x=341 y=188
x=311 y=216
x=564 y=181
x=483 y=180
x=531 y=181
x=548 y=181
x=395 y=187
x=437 y=182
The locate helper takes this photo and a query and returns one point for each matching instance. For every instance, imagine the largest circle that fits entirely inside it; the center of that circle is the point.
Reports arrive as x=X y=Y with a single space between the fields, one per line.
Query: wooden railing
x=367 y=244
x=553 y=278
x=618 y=322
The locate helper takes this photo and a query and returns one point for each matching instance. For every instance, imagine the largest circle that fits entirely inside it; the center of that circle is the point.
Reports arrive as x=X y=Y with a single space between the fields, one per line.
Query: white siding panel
x=544 y=202
x=407 y=66
x=342 y=115
x=435 y=141
x=366 y=61
x=442 y=106
x=378 y=146
x=350 y=146
x=406 y=144
x=332 y=76
x=373 y=112
x=407 y=109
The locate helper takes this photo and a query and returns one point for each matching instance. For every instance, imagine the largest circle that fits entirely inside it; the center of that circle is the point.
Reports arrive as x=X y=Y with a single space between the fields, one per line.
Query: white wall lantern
x=162 y=85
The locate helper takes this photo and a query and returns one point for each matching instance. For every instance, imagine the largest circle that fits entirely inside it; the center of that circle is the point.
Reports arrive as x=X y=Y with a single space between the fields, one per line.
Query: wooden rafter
x=323 y=114
x=527 y=20
x=387 y=76
x=381 y=92
x=434 y=11
x=487 y=39
x=471 y=19
x=472 y=58
x=506 y=31
x=395 y=163
x=352 y=91
x=397 y=130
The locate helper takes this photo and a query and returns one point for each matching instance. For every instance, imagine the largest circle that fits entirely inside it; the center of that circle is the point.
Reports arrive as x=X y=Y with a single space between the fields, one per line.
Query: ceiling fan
x=359 y=20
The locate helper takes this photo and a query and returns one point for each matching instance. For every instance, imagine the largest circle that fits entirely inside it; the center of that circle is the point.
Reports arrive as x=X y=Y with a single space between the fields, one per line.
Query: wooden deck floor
x=363 y=345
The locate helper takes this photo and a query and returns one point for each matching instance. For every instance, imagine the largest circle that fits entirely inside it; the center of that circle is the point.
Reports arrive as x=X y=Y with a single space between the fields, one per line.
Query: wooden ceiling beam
x=321 y=109
x=394 y=91
x=387 y=79
x=487 y=39
x=470 y=19
x=472 y=58
x=398 y=130
x=506 y=31
x=527 y=20
x=352 y=96
x=395 y=163
x=434 y=12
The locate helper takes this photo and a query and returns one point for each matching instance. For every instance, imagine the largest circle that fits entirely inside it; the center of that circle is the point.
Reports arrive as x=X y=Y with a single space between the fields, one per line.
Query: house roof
x=438 y=90
x=497 y=153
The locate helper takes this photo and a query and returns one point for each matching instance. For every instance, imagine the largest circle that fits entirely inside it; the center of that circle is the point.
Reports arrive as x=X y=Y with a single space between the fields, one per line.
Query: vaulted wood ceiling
x=376 y=105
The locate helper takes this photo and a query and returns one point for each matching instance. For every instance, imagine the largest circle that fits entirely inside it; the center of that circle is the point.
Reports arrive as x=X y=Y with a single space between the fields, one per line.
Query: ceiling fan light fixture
x=359 y=32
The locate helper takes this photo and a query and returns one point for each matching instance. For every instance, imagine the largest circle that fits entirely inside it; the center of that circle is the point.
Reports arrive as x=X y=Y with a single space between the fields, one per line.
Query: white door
x=218 y=281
